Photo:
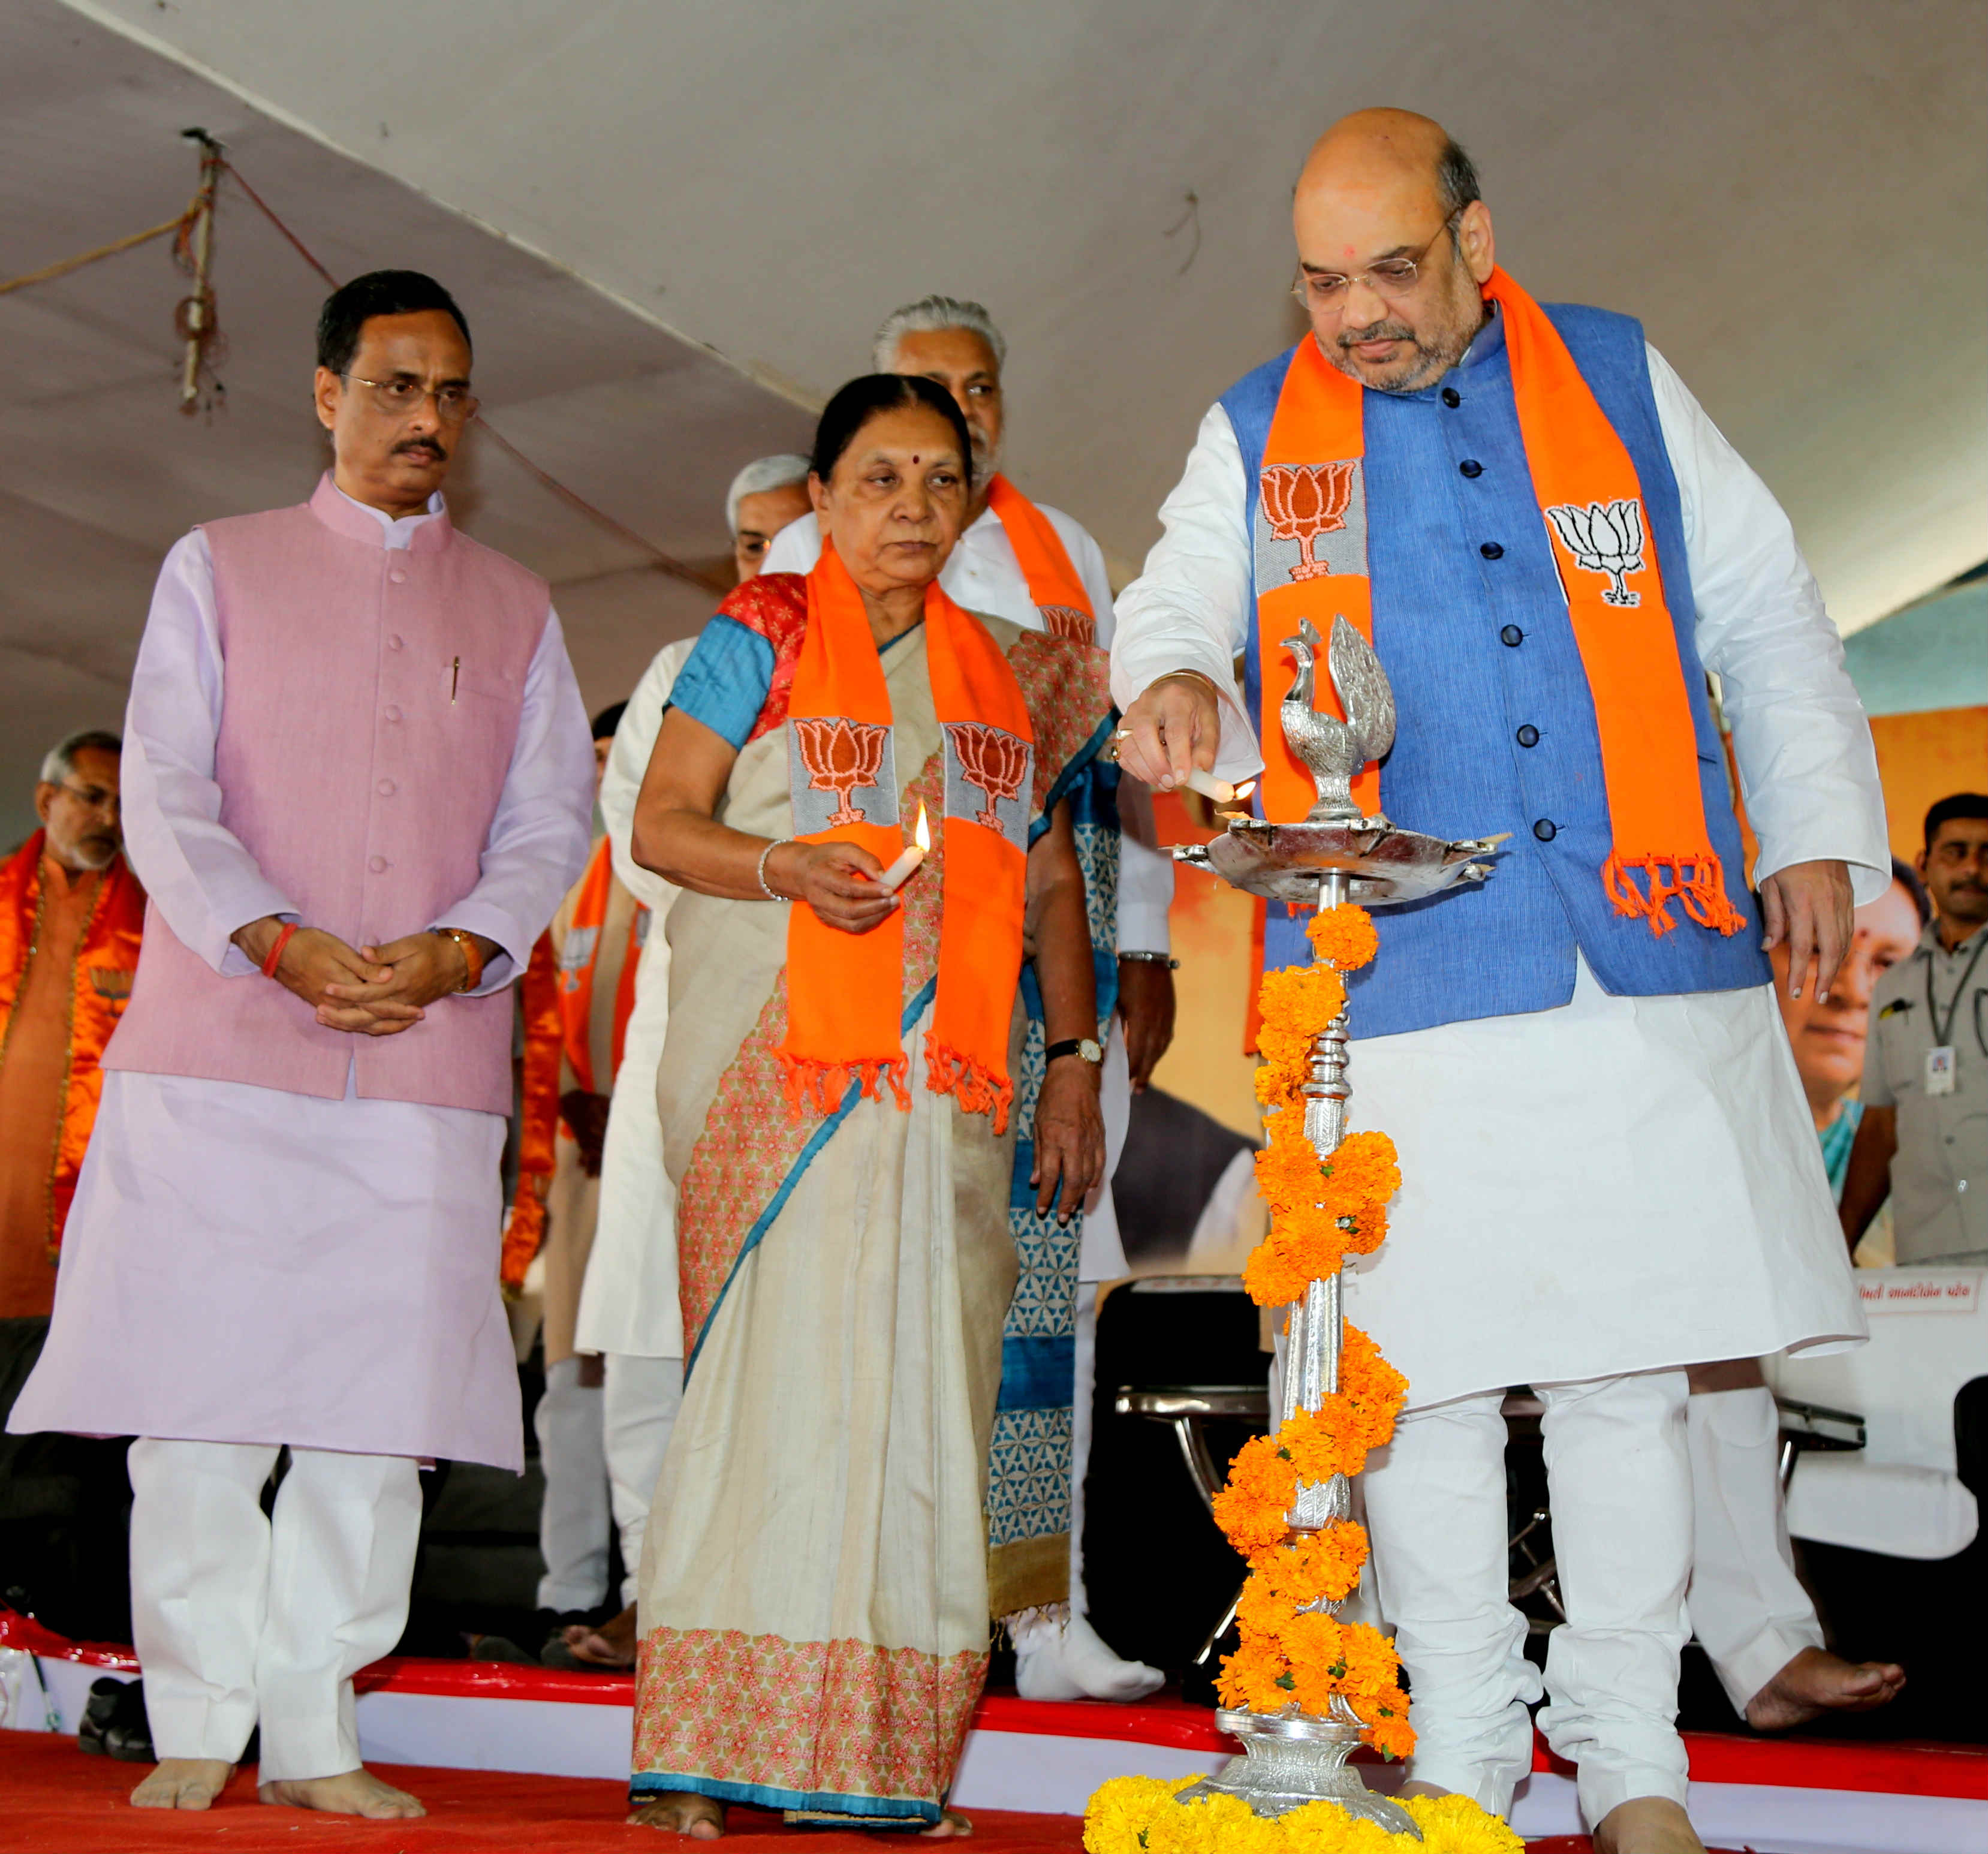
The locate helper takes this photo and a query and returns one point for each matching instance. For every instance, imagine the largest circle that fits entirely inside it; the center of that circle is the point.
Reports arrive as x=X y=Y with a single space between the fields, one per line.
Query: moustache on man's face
x=1385 y=330
x=409 y=447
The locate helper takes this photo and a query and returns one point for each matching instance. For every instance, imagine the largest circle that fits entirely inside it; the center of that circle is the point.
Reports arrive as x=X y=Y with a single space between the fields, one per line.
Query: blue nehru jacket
x=1497 y=729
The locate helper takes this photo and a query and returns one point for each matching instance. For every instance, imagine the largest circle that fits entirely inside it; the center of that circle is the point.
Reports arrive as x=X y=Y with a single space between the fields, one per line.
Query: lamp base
x=1289 y=1759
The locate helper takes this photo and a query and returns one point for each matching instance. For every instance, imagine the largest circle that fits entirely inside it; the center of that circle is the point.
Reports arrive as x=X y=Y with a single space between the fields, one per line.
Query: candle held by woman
x=899 y=872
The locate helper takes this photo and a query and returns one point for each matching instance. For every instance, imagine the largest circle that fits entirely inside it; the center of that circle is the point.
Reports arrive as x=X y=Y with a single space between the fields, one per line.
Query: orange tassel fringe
x=1702 y=891
x=810 y=1084
x=977 y=1089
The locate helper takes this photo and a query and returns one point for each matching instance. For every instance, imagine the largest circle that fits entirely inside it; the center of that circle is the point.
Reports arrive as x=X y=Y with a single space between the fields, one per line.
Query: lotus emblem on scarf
x=1304 y=501
x=840 y=756
x=995 y=762
x=1603 y=537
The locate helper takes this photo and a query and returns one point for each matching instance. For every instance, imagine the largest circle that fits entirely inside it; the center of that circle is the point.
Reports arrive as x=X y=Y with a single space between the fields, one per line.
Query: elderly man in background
x=286 y=1232
x=1580 y=1060
x=765 y=496
x=71 y=914
x=1027 y=562
x=577 y=998
x=1923 y=1139
x=628 y=1309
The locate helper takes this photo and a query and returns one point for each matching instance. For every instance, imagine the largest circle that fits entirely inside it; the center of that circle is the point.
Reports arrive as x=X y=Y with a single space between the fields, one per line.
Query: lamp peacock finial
x=1334 y=751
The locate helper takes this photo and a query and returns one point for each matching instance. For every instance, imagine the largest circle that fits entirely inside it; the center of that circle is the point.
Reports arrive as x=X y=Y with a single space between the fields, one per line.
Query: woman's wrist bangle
x=472 y=957
x=772 y=894
x=276 y=946
x=1152 y=959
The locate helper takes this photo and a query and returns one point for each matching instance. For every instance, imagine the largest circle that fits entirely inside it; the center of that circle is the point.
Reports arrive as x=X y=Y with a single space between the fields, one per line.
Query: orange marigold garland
x=1320 y=1212
x=1292 y=1654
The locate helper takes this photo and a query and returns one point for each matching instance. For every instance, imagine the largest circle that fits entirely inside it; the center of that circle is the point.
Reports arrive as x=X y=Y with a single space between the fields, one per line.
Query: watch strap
x=1069 y=1046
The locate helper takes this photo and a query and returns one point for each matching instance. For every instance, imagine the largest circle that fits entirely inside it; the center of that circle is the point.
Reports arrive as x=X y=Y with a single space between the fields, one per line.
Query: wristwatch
x=1085 y=1046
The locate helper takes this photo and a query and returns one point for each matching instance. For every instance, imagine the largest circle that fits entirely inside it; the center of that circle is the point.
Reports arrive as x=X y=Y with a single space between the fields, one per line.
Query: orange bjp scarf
x=846 y=992
x=1591 y=502
x=1054 y=584
x=582 y=960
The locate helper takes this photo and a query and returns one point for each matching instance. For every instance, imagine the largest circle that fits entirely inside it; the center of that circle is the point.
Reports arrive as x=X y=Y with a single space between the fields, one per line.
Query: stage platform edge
x=1772 y=1796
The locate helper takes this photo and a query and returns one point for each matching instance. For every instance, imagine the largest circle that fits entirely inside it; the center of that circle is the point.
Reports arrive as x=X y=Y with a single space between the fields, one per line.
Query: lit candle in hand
x=1219 y=790
x=900 y=872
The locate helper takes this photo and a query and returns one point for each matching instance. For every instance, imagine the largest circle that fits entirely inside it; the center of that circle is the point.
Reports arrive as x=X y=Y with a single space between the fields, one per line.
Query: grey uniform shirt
x=1939 y=1174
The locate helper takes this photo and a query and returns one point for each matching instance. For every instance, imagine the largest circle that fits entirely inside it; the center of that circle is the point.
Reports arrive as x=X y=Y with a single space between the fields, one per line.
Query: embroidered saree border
x=842 y=1728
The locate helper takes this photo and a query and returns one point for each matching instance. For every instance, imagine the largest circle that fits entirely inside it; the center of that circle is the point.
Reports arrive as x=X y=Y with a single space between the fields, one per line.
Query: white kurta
x=628 y=1305
x=243 y=1264
x=1621 y=1183
x=984 y=575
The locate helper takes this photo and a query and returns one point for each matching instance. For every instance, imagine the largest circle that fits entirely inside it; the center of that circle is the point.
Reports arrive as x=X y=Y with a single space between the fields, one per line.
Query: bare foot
x=1647 y=1825
x=183 y=1783
x=951 y=1826
x=612 y=1644
x=1816 y=1682
x=352 y=1793
x=683 y=1813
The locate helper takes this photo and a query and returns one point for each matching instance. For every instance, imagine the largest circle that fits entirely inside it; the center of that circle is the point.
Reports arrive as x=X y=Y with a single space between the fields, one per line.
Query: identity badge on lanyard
x=1939 y=1064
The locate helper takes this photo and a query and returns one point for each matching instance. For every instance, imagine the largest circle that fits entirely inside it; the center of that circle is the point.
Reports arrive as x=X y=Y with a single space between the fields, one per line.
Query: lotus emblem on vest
x=1603 y=537
x=1304 y=501
x=840 y=756
x=1066 y=621
x=995 y=762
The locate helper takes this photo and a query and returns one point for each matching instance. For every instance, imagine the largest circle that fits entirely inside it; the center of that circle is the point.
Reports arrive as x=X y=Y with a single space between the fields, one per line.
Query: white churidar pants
x=574 y=1522
x=639 y=1405
x=1748 y=1609
x=1619 y=1476
x=240 y=1620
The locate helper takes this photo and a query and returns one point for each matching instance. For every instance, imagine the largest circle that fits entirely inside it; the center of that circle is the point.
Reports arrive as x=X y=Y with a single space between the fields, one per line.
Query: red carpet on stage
x=54 y=1800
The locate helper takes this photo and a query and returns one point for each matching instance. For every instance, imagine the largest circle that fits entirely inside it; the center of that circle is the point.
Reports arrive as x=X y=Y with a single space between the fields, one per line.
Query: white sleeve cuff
x=1142 y=928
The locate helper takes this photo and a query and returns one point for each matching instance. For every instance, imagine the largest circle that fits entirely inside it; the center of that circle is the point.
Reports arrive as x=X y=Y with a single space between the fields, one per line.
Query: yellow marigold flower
x=1454 y=1824
x=1324 y=1827
x=1116 y=1819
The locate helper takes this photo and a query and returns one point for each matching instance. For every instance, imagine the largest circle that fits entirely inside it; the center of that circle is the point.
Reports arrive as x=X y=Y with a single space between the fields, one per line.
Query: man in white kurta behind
x=1609 y=1171
x=996 y=569
x=357 y=781
x=629 y=1310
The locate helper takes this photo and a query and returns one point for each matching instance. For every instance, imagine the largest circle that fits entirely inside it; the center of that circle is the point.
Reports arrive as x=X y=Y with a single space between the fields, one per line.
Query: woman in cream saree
x=814 y=1598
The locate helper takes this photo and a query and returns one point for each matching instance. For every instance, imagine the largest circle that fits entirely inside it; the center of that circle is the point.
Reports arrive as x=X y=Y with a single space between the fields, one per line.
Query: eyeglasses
x=92 y=798
x=399 y=397
x=1390 y=279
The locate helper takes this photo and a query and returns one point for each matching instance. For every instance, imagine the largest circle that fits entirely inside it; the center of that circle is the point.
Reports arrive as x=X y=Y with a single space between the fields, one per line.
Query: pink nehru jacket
x=371 y=709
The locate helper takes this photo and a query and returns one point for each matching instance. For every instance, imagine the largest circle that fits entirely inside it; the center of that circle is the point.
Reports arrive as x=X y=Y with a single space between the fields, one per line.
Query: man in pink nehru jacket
x=357 y=782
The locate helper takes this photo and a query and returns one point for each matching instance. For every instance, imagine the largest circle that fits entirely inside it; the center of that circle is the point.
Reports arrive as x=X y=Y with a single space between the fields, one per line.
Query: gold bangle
x=1175 y=675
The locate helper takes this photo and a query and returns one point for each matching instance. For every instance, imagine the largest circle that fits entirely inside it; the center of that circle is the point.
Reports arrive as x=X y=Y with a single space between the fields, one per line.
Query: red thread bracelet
x=276 y=951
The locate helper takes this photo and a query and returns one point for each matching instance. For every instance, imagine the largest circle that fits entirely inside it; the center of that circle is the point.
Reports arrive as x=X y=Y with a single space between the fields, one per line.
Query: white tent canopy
x=1789 y=194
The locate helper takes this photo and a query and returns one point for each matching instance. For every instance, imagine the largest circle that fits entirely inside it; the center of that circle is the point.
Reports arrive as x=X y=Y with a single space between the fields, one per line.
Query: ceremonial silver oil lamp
x=1336 y=854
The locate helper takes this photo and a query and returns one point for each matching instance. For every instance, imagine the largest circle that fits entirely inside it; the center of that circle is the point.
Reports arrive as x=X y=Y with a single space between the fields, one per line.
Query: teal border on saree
x=649 y=1785
x=819 y=1139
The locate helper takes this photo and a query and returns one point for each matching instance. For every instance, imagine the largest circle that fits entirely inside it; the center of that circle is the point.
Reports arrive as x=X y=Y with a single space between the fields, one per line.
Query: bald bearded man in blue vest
x=1609 y=1173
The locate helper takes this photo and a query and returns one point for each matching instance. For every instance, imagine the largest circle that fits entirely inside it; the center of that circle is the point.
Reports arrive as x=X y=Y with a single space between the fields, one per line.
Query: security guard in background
x=1924 y=1137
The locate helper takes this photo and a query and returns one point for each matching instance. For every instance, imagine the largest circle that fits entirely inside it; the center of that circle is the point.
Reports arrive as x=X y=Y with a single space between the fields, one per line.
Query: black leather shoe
x=114 y=1724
